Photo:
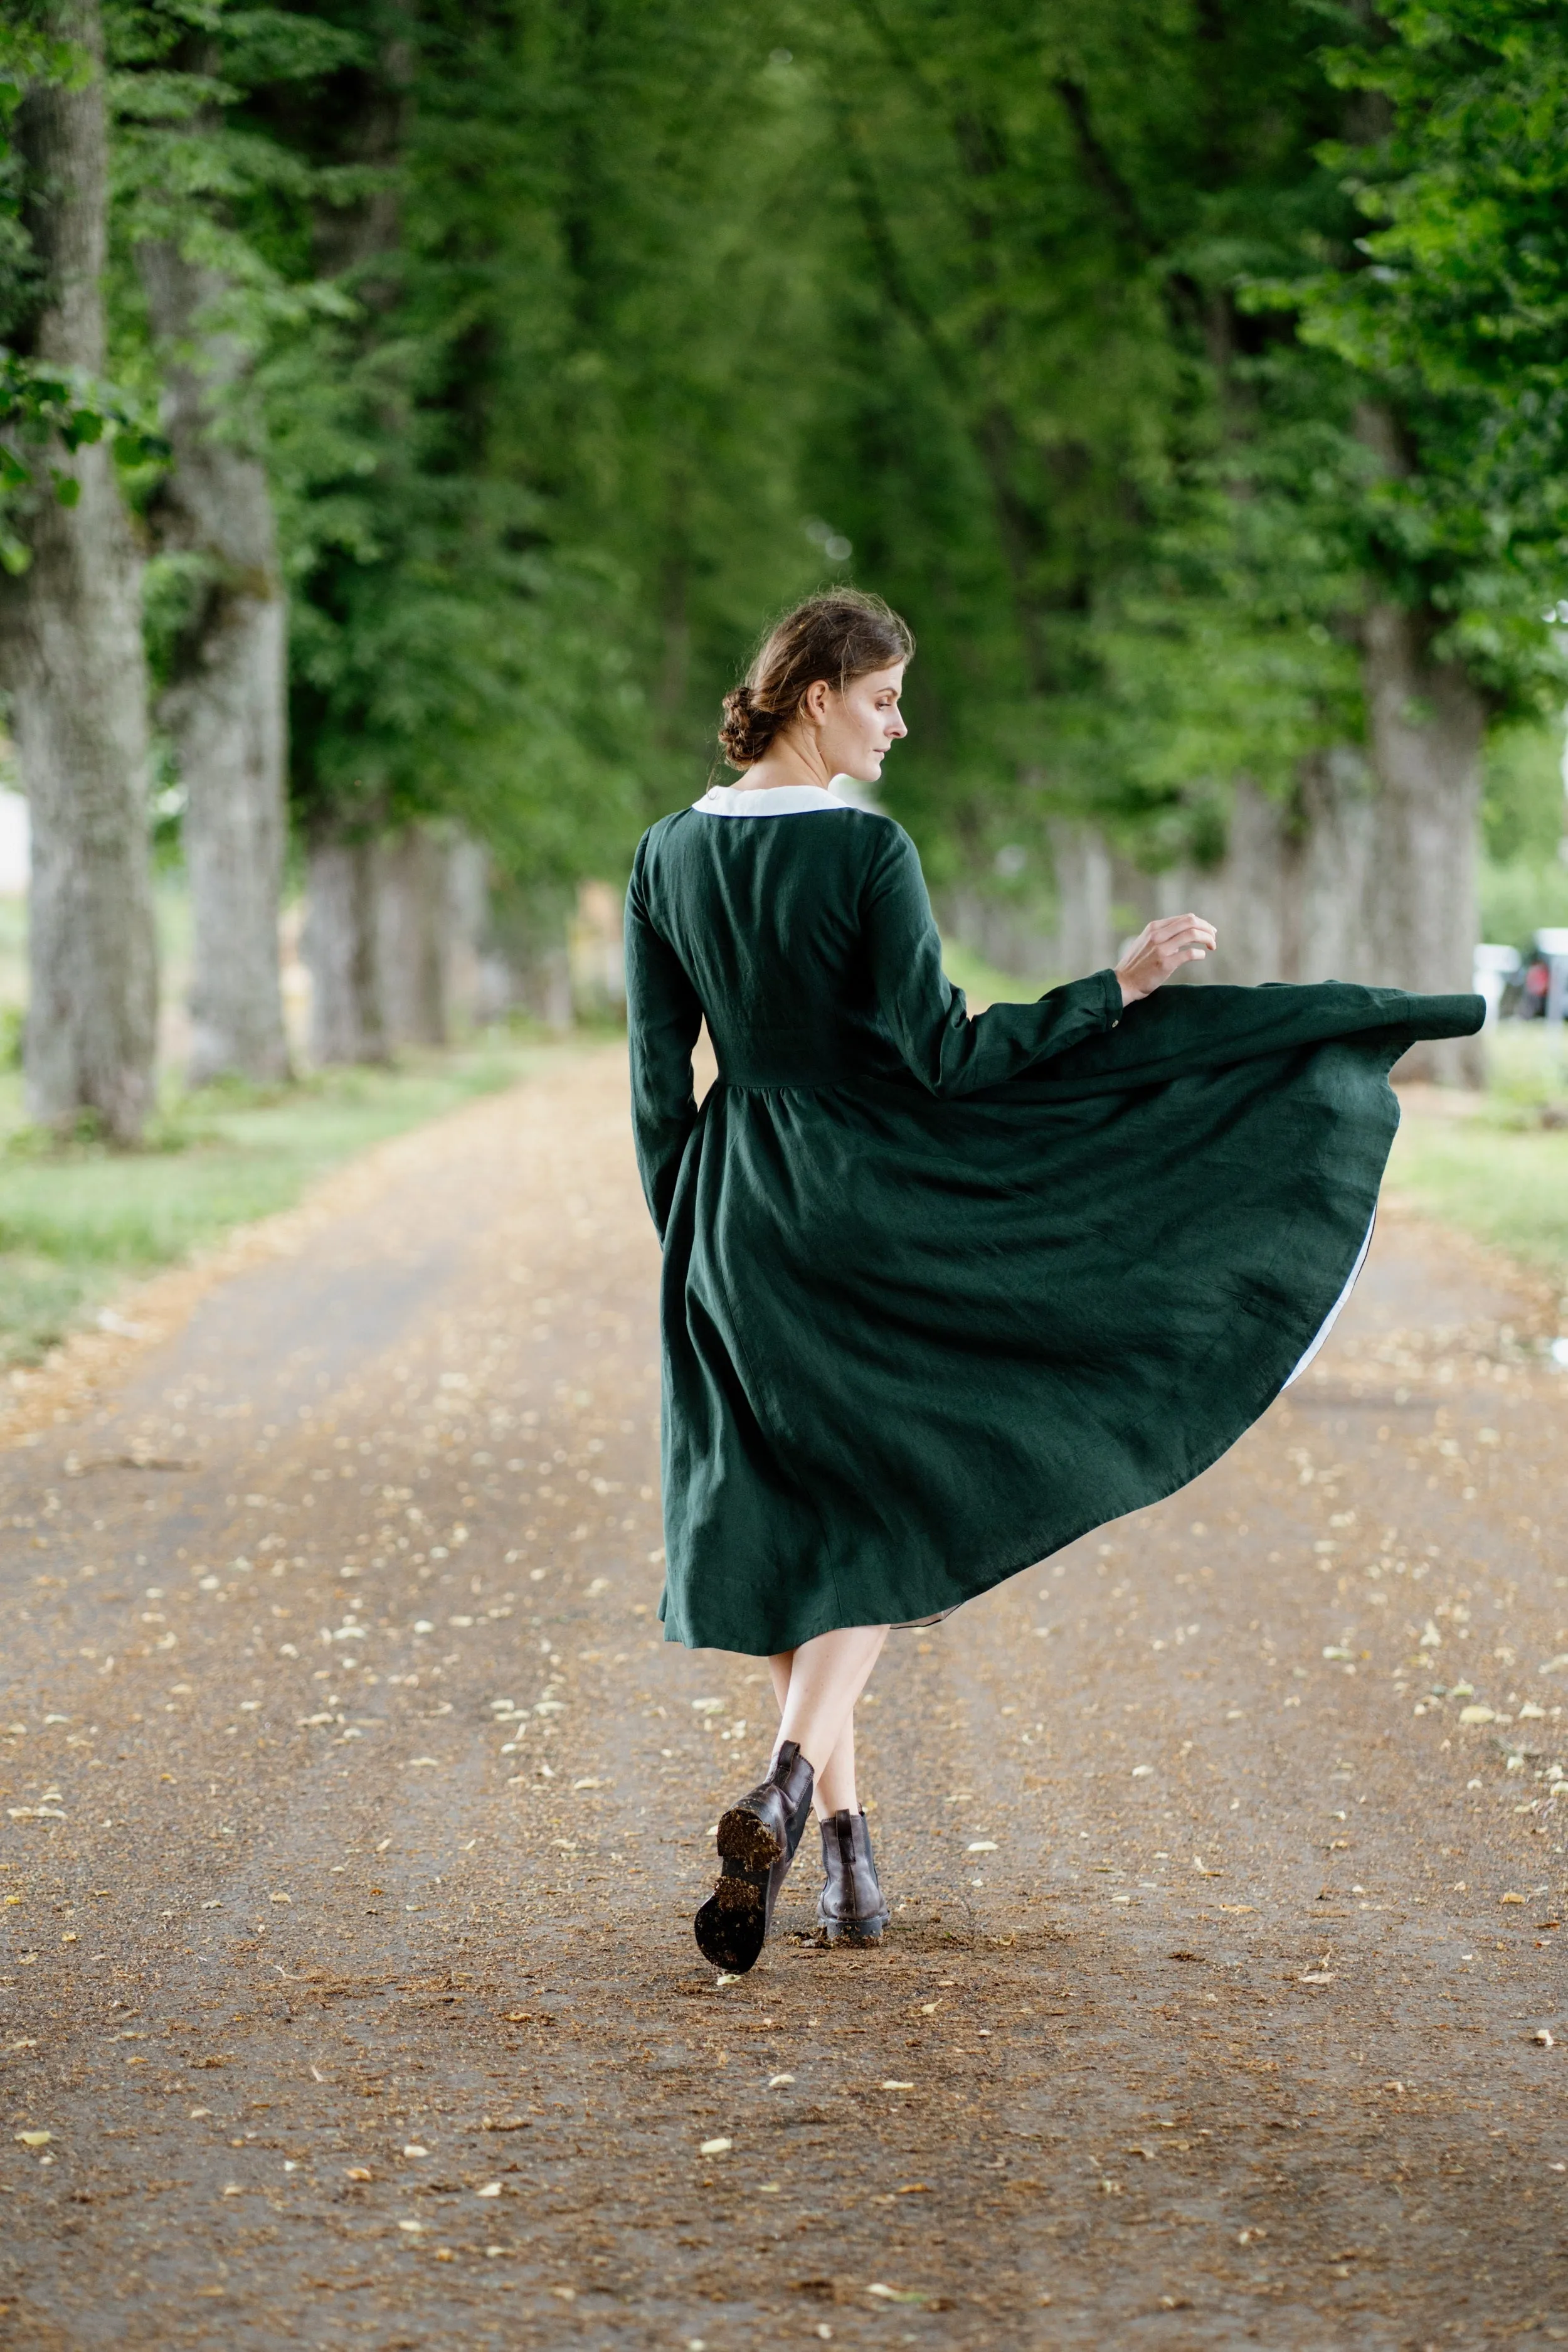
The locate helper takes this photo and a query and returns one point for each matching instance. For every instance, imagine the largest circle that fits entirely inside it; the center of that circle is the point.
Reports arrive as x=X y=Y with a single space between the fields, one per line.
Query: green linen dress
x=941 y=1293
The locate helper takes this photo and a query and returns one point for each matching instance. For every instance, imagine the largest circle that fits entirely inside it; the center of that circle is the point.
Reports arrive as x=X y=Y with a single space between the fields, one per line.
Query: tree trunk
x=226 y=706
x=1295 y=897
x=71 y=656
x=468 y=900
x=1086 y=939
x=525 y=965
x=342 y=953
x=1426 y=725
x=1330 y=913
x=1246 y=896
x=411 y=914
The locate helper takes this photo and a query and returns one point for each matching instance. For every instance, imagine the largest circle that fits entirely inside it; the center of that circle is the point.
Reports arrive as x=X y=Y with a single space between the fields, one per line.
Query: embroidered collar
x=782 y=799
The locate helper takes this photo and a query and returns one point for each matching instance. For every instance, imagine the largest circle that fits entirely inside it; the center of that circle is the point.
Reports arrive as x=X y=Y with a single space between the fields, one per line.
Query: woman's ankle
x=828 y=1802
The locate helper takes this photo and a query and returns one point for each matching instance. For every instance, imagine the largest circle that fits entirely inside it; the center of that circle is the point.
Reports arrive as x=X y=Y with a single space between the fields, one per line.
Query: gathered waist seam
x=784 y=1086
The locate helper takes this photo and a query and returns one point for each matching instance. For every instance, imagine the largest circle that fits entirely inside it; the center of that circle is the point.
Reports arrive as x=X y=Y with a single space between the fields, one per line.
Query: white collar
x=779 y=800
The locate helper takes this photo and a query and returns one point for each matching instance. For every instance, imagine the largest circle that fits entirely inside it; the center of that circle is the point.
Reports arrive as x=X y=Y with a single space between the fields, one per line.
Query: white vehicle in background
x=1494 y=970
x=1537 y=988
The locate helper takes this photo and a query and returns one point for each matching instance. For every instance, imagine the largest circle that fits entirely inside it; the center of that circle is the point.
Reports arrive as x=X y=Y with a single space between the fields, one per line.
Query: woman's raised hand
x=1160 y=949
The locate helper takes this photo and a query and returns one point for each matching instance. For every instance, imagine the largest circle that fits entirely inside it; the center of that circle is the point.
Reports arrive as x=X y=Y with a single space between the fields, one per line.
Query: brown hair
x=837 y=637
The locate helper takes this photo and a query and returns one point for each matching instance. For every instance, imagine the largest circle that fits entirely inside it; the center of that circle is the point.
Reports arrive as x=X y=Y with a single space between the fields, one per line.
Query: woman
x=941 y=1293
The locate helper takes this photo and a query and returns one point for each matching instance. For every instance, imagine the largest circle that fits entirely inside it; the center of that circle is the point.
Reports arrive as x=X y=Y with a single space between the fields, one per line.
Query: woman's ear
x=815 y=701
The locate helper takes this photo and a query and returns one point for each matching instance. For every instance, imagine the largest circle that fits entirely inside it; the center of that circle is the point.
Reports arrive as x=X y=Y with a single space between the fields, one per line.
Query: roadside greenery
x=1133 y=351
x=1490 y=1165
x=1142 y=354
x=1136 y=352
x=78 y=1221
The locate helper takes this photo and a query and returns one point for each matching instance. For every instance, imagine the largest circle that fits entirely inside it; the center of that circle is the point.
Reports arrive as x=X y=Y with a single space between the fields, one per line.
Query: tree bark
x=1426 y=729
x=469 y=900
x=342 y=952
x=71 y=656
x=1246 y=896
x=1426 y=725
x=412 y=909
x=1331 y=918
x=226 y=706
x=1086 y=939
x=524 y=964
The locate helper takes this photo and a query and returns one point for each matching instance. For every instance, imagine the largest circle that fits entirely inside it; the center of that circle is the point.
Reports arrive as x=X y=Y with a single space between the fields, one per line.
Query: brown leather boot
x=853 y=1907
x=756 y=1843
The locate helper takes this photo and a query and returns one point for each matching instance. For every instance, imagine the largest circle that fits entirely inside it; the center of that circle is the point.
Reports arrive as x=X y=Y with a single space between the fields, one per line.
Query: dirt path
x=354 y=1814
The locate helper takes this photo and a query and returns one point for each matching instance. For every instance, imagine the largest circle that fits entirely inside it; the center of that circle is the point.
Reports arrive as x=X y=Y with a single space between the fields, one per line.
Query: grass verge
x=77 y=1222
x=1487 y=1163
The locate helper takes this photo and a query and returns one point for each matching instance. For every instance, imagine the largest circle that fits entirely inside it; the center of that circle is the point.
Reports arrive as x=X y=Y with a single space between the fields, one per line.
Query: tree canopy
x=1132 y=350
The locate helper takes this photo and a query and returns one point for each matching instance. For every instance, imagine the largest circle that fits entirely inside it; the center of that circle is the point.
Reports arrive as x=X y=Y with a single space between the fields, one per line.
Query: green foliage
x=42 y=407
x=30 y=56
x=1452 y=312
x=1133 y=351
x=1499 y=1174
x=1520 y=895
x=1112 y=505
x=1524 y=814
x=345 y=177
x=76 y=1223
x=1524 y=822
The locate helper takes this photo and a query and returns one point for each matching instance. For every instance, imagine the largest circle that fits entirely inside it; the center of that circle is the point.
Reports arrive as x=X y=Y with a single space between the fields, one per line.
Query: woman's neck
x=791 y=759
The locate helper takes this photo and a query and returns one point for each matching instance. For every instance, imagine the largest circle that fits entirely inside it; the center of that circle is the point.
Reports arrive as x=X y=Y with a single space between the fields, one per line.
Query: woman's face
x=854 y=728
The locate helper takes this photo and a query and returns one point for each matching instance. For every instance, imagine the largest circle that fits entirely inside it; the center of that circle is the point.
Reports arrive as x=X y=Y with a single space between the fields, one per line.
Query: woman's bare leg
x=817 y=1686
x=835 y=1783
x=833 y=1789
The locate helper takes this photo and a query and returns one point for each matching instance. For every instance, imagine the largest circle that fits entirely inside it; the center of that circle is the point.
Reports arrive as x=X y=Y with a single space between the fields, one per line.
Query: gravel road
x=352 y=1814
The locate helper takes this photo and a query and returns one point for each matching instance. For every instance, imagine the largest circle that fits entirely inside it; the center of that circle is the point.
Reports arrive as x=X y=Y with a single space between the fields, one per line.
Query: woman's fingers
x=1161 y=949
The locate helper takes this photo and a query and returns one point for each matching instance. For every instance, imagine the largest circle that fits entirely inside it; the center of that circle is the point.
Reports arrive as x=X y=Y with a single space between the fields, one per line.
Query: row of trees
x=411 y=410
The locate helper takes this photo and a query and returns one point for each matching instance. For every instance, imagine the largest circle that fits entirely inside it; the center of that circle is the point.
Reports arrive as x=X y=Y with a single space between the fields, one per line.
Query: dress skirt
x=914 y=1341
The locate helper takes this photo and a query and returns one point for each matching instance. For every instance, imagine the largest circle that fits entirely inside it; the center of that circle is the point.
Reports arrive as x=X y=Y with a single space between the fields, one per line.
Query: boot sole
x=852 y=1931
x=732 y=1926
x=743 y=1839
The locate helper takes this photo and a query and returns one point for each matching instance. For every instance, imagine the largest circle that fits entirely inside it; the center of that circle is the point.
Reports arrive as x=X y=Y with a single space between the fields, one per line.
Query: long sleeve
x=662 y=1018
x=949 y=1052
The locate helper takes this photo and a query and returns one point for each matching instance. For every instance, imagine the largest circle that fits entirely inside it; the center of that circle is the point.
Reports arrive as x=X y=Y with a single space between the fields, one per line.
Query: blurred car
x=1495 y=972
x=1528 y=992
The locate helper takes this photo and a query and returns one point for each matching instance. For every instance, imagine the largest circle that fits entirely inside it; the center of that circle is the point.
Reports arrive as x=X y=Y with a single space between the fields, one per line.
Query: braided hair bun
x=835 y=637
x=745 y=732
